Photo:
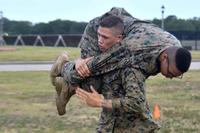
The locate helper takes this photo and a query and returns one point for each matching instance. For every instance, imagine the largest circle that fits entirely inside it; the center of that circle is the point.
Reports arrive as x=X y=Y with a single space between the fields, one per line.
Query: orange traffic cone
x=156 y=112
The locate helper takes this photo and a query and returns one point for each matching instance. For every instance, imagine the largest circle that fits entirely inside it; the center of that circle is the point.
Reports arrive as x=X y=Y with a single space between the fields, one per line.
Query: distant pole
x=162 y=12
x=1 y=28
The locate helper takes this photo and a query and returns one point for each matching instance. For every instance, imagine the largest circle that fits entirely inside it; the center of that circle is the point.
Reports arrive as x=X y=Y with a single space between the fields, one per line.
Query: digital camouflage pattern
x=125 y=67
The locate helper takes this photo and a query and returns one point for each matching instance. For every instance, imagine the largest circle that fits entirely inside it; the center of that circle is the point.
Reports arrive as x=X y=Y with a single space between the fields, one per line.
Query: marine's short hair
x=183 y=59
x=112 y=22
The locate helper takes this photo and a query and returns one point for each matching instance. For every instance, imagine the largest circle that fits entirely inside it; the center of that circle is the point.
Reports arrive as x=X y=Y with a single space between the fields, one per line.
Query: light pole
x=1 y=28
x=162 y=11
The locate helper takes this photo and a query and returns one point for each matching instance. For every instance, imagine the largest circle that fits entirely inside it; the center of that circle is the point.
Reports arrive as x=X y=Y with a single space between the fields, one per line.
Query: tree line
x=58 y=26
x=171 y=24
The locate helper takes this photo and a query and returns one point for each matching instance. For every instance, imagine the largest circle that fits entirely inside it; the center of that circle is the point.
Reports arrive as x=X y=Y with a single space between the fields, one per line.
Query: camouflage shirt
x=123 y=70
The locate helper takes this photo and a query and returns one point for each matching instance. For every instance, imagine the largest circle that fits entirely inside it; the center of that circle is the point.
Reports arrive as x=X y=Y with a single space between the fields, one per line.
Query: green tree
x=196 y=23
x=17 y=27
x=41 y=28
x=172 y=23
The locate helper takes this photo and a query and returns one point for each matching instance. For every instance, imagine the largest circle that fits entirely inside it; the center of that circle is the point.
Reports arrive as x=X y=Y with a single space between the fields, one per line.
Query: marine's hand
x=81 y=67
x=92 y=99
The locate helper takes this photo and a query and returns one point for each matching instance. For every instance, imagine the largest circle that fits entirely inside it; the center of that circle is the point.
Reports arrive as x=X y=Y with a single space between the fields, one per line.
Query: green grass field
x=28 y=99
x=27 y=53
x=28 y=105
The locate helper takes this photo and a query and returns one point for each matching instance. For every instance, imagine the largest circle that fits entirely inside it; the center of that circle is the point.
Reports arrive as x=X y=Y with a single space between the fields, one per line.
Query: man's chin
x=102 y=49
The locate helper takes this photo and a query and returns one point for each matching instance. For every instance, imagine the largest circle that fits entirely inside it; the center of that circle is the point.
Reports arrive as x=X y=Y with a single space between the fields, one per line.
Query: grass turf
x=28 y=105
x=29 y=53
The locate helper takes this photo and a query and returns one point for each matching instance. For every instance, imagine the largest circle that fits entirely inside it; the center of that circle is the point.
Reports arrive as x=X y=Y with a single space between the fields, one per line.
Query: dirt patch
x=7 y=49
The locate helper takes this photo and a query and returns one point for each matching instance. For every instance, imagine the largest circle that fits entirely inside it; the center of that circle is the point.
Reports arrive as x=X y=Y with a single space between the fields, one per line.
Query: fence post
x=2 y=41
x=60 y=39
x=38 y=39
x=19 y=39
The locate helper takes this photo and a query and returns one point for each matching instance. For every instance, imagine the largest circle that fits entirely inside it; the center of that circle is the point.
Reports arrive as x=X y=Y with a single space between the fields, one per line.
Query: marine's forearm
x=113 y=59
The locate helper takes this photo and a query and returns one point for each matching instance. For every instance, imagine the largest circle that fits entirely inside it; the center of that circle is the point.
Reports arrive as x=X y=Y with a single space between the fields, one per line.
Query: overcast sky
x=84 y=10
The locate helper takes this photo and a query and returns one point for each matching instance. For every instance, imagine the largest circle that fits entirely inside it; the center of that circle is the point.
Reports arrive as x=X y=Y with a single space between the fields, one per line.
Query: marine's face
x=106 y=38
x=168 y=69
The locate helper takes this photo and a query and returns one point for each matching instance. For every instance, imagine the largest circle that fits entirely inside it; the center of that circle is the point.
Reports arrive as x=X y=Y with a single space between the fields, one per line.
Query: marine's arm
x=134 y=101
x=115 y=58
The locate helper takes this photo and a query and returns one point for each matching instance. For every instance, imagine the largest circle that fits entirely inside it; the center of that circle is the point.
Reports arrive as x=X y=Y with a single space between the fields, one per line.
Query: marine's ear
x=120 y=37
x=163 y=56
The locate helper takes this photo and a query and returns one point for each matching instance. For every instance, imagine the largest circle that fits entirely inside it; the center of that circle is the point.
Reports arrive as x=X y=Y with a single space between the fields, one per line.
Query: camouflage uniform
x=125 y=67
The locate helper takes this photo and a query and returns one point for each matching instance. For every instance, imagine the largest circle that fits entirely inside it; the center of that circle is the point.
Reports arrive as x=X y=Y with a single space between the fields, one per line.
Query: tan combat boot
x=63 y=95
x=57 y=66
x=63 y=91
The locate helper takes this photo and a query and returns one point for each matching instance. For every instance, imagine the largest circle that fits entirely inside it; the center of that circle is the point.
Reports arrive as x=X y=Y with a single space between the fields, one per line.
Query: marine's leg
x=57 y=66
x=63 y=88
x=115 y=58
x=63 y=95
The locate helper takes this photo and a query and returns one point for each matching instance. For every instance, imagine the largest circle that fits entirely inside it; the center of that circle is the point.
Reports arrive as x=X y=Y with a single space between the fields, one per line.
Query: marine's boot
x=63 y=95
x=57 y=66
x=63 y=91
x=58 y=84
